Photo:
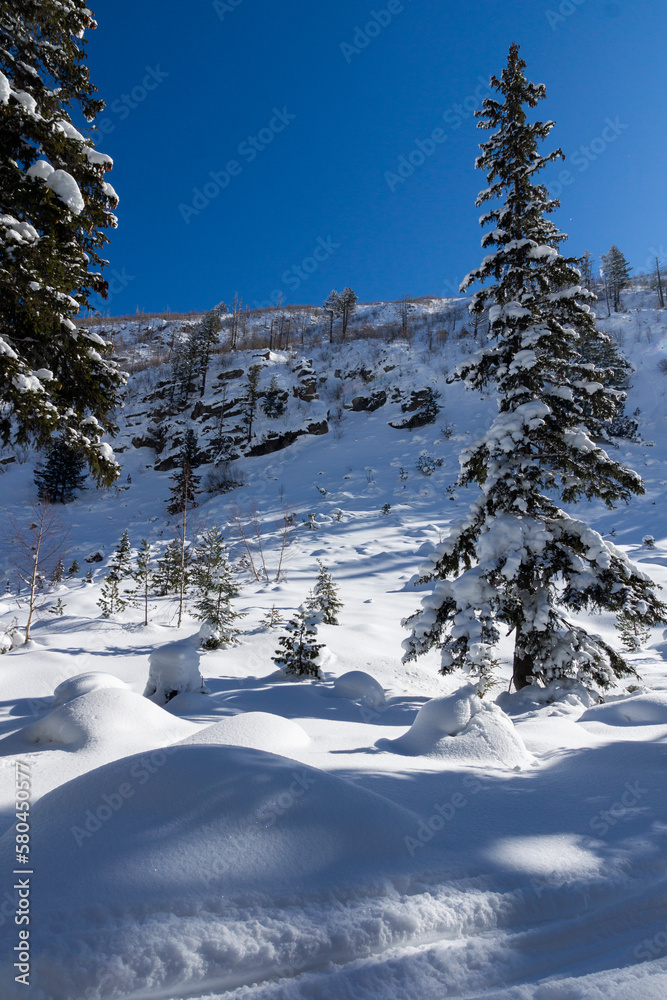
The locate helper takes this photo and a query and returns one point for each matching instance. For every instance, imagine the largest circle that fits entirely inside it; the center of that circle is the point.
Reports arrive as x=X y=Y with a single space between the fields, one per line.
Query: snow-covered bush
x=173 y=669
x=427 y=464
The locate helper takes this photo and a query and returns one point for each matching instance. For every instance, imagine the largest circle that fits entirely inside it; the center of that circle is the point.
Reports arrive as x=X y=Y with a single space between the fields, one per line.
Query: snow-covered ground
x=281 y=840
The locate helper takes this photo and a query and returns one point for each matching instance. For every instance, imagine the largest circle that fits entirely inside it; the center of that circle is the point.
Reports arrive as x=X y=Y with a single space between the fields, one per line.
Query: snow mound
x=357 y=685
x=173 y=669
x=132 y=851
x=564 y=693
x=74 y=687
x=259 y=730
x=463 y=729
x=107 y=715
x=641 y=710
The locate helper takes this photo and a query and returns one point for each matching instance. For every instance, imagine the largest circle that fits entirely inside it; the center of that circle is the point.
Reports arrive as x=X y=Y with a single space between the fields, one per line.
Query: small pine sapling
x=58 y=572
x=143 y=574
x=73 y=570
x=272 y=618
x=111 y=602
x=326 y=597
x=299 y=652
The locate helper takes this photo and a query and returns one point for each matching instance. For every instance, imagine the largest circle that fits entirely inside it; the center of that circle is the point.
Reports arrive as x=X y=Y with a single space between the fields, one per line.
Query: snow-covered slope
x=280 y=839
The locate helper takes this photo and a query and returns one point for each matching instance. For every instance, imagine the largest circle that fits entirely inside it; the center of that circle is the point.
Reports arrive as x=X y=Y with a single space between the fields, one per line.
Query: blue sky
x=257 y=144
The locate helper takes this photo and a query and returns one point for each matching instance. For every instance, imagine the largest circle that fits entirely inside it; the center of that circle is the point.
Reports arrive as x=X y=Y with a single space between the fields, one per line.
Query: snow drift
x=74 y=687
x=464 y=729
x=182 y=831
x=259 y=730
x=107 y=715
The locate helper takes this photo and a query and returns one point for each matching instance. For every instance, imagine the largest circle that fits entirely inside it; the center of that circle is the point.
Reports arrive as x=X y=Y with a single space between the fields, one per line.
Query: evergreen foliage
x=586 y=267
x=54 y=208
x=191 y=357
x=185 y=483
x=185 y=367
x=340 y=304
x=299 y=650
x=273 y=404
x=207 y=337
x=74 y=569
x=168 y=572
x=272 y=618
x=58 y=572
x=517 y=560
x=250 y=399
x=326 y=597
x=616 y=274
x=112 y=599
x=61 y=476
x=142 y=574
x=214 y=590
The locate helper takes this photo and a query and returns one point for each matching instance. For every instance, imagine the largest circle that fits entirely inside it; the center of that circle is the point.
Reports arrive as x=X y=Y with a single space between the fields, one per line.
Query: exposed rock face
x=276 y=442
x=370 y=403
x=306 y=387
x=424 y=408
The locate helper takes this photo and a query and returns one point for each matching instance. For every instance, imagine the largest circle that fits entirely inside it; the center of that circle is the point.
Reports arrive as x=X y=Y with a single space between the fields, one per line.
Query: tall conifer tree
x=54 y=208
x=518 y=561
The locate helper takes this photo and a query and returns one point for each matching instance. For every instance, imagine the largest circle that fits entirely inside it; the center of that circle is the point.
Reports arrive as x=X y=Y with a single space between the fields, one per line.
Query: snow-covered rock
x=357 y=685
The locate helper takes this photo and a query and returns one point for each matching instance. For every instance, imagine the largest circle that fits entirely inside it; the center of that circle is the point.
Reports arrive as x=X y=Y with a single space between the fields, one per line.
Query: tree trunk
x=657 y=271
x=522 y=666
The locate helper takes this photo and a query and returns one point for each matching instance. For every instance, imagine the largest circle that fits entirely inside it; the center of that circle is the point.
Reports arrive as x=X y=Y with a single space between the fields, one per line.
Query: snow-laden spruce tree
x=54 y=207
x=214 y=590
x=518 y=564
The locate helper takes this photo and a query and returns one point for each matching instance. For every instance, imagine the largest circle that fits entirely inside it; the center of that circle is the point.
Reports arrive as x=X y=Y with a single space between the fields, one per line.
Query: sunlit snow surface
x=379 y=837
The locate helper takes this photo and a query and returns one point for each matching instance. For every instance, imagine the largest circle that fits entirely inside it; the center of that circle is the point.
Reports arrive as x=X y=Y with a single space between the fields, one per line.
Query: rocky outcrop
x=368 y=403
